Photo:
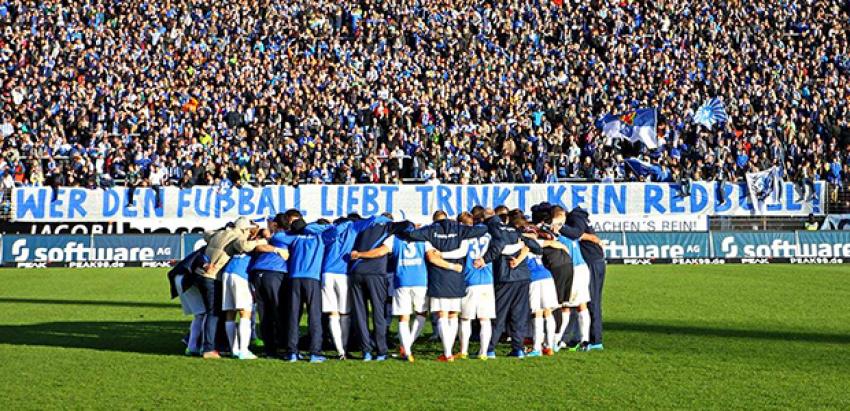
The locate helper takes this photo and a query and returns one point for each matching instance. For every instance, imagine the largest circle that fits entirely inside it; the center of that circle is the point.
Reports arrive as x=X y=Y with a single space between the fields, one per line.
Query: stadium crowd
x=183 y=92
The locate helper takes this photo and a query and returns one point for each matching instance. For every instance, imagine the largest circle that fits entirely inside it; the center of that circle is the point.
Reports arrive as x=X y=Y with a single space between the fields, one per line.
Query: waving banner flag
x=711 y=112
x=639 y=125
x=765 y=187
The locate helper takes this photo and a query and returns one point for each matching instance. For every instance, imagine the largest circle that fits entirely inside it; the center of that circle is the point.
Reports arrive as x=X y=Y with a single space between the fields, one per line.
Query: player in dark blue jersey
x=446 y=285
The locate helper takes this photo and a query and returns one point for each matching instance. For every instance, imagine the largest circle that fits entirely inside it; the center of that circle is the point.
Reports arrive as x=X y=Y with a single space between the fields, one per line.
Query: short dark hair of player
x=439 y=215
x=323 y=221
x=465 y=218
x=387 y=215
x=502 y=212
x=478 y=214
x=519 y=222
x=292 y=215
x=281 y=222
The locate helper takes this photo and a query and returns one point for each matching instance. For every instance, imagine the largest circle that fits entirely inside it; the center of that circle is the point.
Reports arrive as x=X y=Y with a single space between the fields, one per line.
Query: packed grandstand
x=101 y=93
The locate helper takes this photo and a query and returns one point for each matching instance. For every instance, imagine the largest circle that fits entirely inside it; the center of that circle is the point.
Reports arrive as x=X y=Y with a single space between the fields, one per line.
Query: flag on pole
x=765 y=187
x=638 y=125
x=711 y=112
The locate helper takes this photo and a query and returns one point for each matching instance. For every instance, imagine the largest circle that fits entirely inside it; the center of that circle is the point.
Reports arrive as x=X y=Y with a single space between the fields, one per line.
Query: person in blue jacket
x=336 y=302
x=267 y=273
x=368 y=283
x=306 y=249
x=512 y=277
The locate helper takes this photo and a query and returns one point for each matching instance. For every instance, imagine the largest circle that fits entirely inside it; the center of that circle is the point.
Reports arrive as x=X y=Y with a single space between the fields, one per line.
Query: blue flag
x=638 y=125
x=711 y=112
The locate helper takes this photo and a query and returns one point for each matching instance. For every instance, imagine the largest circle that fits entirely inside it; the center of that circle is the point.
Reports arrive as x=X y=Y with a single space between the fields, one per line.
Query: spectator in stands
x=339 y=92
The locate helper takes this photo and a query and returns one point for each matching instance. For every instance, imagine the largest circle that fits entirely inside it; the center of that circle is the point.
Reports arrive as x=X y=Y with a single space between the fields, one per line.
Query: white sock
x=465 y=333
x=336 y=333
x=444 y=329
x=538 y=333
x=565 y=323
x=244 y=334
x=418 y=326
x=404 y=336
x=486 y=332
x=584 y=325
x=195 y=331
x=230 y=329
x=454 y=325
x=345 y=325
x=550 y=331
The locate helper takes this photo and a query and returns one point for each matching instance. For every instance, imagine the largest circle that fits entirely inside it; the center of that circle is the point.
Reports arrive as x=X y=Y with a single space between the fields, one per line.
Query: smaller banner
x=76 y=248
x=649 y=223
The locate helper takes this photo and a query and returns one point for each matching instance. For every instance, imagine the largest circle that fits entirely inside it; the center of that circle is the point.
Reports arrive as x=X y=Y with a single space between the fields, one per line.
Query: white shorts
x=190 y=299
x=236 y=293
x=580 y=292
x=542 y=295
x=479 y=302
x=445 y=304
x=335 y=294
x=409 y=300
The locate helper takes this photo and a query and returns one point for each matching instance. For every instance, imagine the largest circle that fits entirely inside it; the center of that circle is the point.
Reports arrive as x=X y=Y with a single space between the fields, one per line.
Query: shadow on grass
x=154 y=337
x=133 y=304
x=754 y=334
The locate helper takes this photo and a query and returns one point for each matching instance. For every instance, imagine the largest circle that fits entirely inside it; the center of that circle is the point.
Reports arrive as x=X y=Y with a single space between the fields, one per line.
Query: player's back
x=476 y=249
x=410 y=267
x=538 y=270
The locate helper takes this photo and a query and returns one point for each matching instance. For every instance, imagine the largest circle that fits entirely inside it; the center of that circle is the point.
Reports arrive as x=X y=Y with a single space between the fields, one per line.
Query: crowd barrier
x=718 y=247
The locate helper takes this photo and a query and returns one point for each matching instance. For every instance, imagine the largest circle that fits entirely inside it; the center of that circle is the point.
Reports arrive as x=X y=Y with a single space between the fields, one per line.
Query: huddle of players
x=490 y=266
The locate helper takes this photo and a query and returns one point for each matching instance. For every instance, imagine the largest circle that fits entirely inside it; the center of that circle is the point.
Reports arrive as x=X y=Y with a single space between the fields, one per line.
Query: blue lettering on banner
x=351 y=199
x=425 y=193
x=388 y=192
x=29 y=203
x=500 y=195
x=699 y=198
x=443 y=195
x=36 y=204
x=183 y=201
x=578 y=195
x=653 y=194
x=473 y=198
x=521 y=192
x=677 y=202
x=615 y=198
x=370 y=200
x=266 y=204
x=555 y=195
x=246 y=203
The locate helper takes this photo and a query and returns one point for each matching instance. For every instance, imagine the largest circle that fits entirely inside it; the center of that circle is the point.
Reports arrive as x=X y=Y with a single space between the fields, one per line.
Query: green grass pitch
x=736 y=336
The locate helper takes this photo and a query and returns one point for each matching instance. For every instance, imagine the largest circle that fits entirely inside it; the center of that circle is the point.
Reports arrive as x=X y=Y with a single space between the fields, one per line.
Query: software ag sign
x=61 y=248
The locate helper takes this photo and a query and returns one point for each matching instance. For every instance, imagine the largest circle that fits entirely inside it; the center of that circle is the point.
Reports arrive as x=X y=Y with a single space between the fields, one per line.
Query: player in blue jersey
x=306 y=249
x=480 y=299
x=236 y=292
x=410 y=284
x=339 y=241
